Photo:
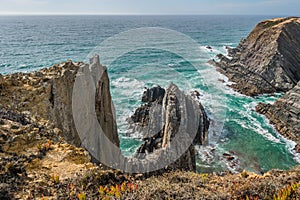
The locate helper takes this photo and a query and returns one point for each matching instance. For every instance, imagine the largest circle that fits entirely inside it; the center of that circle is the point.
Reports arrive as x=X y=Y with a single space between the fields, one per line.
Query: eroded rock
x=285 y=114
x=267 y=61
x=47 y=94
x=161 y=120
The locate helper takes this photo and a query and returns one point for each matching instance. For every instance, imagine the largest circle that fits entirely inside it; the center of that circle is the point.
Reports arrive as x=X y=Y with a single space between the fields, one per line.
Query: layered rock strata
x=267 y=61
x=285 y=114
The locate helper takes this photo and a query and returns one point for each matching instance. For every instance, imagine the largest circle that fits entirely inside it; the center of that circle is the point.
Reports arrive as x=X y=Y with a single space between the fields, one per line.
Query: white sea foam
x=211 y=50
x=125 y=82
x=228 y=44
x=255 y=125
x=290 y=145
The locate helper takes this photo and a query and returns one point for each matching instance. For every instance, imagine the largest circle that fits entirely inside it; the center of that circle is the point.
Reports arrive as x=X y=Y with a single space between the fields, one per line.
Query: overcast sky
x=248 y=7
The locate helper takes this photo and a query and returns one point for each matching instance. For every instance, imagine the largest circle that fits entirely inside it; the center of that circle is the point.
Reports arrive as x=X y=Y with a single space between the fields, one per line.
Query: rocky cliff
x=267 y=60
x=37 y=163
x=285 y=114
x=47 y=95
x=160 y=121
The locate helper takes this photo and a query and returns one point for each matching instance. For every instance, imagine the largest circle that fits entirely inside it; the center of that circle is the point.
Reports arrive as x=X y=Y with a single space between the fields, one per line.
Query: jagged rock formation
x=160 y=120
x=37 y=163
x=285 y=114
x=31 y=167
x=47 y=95
x=267 y=61
x=153 y=94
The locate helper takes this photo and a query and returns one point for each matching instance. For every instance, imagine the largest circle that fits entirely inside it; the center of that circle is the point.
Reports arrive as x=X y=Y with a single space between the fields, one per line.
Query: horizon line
x=135 y=14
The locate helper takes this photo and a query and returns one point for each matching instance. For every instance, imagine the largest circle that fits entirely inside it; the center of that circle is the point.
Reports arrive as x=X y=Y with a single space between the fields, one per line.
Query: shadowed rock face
x=285 y=114
x=160 y=120
x=267 y=61
x=47 y=95
x=153 y=94
x=105 y=110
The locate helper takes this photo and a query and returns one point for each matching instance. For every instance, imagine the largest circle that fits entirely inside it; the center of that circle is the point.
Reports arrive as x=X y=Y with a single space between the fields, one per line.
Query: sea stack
x=267 y=61
x=160 y=121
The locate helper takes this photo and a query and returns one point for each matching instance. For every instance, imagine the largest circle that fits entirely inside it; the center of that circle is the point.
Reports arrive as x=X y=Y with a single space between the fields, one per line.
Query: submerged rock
x=285 y=114
x=267 y=61
x=160 y=122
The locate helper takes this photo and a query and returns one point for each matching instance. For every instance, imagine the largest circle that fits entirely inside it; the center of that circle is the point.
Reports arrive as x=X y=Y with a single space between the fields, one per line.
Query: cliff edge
x=46 y=95
x=36 y=162
x=267 y=61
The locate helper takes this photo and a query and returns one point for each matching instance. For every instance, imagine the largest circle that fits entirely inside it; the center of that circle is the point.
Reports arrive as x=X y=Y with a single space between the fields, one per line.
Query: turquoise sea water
x=31 y=42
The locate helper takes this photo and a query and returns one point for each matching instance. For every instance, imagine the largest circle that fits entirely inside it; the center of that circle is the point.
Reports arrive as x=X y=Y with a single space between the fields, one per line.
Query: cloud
x=260 y=7
x=17 y=3
x=266 y=7
x=21 y=6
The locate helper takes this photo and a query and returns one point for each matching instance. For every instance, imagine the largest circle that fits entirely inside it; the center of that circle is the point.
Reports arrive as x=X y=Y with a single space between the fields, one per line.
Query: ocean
x=30 y=43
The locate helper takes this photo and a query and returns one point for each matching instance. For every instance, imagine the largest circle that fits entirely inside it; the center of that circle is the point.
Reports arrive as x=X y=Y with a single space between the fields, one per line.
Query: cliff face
x=47 y=95
x=285 y=114
x=267 y=61
x=160 y=119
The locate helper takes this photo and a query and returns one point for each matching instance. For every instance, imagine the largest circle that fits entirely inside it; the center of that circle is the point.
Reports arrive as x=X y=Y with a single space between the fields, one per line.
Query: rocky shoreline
x=38 y=161
x=285 y=115
x=42 y=155
x=268 y=61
